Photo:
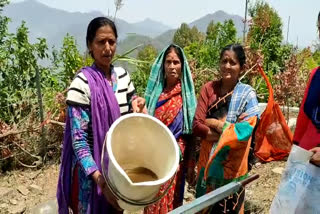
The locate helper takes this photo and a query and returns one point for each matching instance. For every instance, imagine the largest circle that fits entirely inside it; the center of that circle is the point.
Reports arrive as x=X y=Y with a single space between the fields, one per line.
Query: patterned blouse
x=78 y=100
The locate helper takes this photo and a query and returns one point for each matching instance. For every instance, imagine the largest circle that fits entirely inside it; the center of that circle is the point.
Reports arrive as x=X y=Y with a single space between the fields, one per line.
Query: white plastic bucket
x=138 y=140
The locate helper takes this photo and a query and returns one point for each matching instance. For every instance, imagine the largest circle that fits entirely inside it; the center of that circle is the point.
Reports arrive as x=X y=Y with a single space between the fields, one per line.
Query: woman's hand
x=99 y=180
x=315 y=159
x=138 y=105
x=212 y=136
x=241 y=117
x=215 y=124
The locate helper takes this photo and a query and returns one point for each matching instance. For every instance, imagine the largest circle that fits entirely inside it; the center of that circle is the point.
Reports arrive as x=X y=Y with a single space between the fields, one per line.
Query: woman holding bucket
x=221 y=105
x=170 y=97
x=97 y=96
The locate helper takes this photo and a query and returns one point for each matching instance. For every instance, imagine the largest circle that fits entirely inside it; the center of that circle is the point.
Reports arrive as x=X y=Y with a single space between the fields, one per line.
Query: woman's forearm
x=215 y=124
x=212 y=136
x=80 y=118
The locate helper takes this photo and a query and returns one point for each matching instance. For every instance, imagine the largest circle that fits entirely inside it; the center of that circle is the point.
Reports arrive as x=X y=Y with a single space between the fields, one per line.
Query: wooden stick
x=56 y=122
x=16 y=132
x=248 y=71
x=33 y=130
x=34 y=156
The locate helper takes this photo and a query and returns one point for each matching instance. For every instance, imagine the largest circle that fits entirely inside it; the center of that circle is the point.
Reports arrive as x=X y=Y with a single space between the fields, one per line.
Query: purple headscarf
x=104 y=111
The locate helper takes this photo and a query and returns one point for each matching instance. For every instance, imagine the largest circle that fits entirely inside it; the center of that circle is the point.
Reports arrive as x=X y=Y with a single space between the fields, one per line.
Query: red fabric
x=204 y=156
x=171 y=199
x=75 y=190
x=209 y=93
x=235 y=164
x=306 y=134
x=166 y=203
x=273 y=137
x=168 y=111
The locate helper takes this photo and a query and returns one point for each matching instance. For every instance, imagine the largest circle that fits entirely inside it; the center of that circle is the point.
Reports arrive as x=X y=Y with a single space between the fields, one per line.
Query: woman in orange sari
x=221 y=102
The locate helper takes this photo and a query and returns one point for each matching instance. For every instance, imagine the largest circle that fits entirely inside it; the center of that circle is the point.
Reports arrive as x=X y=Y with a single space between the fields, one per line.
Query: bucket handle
x=120 y=196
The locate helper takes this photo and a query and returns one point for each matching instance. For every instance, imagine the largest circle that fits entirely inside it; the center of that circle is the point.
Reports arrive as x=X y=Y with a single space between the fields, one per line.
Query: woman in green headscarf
x=170 y=97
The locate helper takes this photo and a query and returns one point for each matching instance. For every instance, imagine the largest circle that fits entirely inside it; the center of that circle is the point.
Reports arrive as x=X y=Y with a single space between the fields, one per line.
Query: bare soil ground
x=22 y=190
x=260 y=193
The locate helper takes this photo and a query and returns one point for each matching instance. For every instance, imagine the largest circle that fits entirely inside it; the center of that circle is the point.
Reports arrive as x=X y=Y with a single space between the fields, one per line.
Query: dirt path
x=20 y=191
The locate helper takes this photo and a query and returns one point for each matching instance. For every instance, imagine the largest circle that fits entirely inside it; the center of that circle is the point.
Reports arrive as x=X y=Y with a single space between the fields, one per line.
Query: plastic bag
x=299 y=190
x=273 y=138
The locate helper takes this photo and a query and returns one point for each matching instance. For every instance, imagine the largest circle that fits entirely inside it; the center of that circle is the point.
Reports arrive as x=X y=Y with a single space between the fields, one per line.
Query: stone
x=17 y=209
x=5 y=191
x=13 y=201
x=292 y=123
x=34 y=174
x=3 y=206
x=48 y=207
x=249 y=192
x=23 y=190
x=188 y=196
x=258 y=164
x=35 y=188
x=278 y=170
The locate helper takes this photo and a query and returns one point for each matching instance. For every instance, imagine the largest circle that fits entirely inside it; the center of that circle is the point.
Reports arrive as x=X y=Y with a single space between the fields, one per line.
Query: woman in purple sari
x=97 y=96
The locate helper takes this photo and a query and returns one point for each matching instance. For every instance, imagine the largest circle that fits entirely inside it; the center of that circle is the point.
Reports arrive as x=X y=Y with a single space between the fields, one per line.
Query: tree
x=204 y=54
x=266 y=34
x=195 y=35
x=71 y=59
x=207 y=52
x=212 y=29
x=30 y=76
x=221 y=34
x=140 y=77
x=286 y=91
x=218 y=36
x=18 y=72
x=3 y=21
x=264 y=40
x=316 y=56
x=148 y=54
x=184 y=36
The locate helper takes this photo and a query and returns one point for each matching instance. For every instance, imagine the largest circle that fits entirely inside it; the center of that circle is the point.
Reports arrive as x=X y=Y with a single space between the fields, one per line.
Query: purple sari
x=104 y=111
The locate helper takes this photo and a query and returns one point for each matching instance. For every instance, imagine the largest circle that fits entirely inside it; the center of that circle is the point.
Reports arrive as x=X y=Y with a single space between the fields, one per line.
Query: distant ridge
x=53 y=24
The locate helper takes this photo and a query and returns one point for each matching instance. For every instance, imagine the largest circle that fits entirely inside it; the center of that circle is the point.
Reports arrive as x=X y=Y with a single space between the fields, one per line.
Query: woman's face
x=103 y=46
x=230 y=66
x=172 y=66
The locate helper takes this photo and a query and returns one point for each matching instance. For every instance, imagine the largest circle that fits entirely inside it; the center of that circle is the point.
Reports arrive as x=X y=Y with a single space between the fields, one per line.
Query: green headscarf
x=156 y=84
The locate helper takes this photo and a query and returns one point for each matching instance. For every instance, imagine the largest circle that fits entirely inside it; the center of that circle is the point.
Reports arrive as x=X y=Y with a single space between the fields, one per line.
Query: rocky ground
x=21 y=191
x=260 y=193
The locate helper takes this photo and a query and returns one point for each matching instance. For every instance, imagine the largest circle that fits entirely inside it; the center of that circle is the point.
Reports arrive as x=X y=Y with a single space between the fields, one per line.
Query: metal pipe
x=43 y=147
x=213 y=197
x=245 y=22
x=288 y=30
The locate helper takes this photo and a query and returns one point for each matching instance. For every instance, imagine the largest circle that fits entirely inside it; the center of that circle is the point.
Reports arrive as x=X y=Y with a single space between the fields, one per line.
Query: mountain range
x=53 y=24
